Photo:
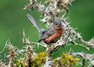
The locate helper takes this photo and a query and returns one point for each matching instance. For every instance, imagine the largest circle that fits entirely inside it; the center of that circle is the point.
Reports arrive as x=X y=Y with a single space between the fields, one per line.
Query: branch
x=12 y=54
x=29 y=56
x=2 y=64
x=54 y=9
x=89 y=57
x=26 y=41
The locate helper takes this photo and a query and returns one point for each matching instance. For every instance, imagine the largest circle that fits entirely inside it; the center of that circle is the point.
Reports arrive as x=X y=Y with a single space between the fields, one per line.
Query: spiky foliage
x=27 y=57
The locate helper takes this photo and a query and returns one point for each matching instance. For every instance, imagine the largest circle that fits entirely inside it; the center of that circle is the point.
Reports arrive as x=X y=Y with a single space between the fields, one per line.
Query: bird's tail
x=33 y=21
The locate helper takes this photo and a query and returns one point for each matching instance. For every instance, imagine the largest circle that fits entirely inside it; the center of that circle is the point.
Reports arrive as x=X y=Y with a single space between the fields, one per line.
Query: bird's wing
x=48 y=33
x=51 y=30
x=33 y=21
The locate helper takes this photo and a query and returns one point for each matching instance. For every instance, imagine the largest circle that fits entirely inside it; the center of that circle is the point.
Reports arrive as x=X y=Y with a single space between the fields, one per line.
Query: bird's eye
x=56 y=24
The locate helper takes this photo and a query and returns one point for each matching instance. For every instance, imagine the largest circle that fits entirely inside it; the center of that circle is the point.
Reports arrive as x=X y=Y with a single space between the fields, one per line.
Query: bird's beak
x=57 y=25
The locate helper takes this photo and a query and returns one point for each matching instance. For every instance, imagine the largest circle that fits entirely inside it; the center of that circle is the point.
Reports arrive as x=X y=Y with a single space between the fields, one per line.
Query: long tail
x=33 y=21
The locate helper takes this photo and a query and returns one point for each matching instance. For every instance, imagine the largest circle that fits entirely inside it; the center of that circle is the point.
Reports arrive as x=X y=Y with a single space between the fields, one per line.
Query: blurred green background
x=13 y=21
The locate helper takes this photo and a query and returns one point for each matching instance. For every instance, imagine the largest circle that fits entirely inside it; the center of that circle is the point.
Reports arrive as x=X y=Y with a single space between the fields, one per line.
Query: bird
x=52 y=34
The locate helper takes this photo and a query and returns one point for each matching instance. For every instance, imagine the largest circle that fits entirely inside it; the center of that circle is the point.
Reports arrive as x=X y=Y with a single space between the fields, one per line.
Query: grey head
x=57 y=22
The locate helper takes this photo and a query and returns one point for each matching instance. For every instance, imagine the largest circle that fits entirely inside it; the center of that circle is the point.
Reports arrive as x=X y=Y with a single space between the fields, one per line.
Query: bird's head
x=57 y=23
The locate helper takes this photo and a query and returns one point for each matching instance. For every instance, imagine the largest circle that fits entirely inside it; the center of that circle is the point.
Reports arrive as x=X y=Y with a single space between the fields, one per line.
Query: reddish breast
x=55 y=36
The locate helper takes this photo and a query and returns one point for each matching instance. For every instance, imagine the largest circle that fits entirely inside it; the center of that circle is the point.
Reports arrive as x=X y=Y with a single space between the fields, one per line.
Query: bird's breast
x=53 y=38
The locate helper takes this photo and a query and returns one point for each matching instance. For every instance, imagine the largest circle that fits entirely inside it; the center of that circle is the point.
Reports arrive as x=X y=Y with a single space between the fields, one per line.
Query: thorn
x=64 y=15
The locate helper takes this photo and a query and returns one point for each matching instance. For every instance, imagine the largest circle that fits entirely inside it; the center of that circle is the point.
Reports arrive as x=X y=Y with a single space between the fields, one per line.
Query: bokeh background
x=13 y=21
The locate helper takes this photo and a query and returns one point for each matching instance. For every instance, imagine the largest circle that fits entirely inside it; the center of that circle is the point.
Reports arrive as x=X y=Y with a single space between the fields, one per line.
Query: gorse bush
x=27 y=57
